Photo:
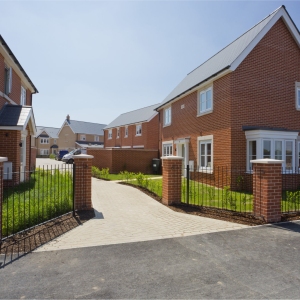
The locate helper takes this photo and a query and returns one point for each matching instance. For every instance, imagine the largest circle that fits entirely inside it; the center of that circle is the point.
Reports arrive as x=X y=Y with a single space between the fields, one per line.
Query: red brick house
x=136 y=129
x=241 y=104
x=17 y=123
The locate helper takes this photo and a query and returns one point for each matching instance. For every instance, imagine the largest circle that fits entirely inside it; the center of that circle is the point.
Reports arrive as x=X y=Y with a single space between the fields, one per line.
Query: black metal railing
x=31 y=198
x=218 y=188
x=290 y=191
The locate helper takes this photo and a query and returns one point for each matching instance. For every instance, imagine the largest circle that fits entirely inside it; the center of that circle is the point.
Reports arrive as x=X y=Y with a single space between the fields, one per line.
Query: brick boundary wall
x=117 y=160
x=171 y=182
x=267 y=189
x=2 y=160
x=83 y=182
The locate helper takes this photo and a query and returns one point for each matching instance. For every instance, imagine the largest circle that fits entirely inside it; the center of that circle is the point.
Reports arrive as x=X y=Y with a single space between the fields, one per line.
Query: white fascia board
x=196 y=88
x=13 y=65
x=267 y=134
x=153 y=116
x=30 y=118
x=19 y=128
x=62 y=126
x=289 y=23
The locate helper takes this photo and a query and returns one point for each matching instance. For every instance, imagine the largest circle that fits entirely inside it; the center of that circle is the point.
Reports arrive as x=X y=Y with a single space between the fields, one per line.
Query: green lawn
x=45 y=196
x=204 y=195
x=121 y=177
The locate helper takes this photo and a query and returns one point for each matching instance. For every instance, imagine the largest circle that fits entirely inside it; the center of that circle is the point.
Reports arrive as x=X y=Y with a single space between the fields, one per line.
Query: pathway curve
x=125 y=214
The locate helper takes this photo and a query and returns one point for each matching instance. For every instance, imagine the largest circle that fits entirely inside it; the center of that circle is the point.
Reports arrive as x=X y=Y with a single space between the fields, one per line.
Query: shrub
x=125 y=175
x=52 y=156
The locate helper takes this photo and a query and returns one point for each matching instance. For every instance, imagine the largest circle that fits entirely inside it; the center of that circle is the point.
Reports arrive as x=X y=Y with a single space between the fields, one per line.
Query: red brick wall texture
x=148 y=139
x=260 y=92
x=117 y=160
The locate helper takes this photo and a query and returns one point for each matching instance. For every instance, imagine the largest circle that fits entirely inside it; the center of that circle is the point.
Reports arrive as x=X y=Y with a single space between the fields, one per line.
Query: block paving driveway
x=124 y=215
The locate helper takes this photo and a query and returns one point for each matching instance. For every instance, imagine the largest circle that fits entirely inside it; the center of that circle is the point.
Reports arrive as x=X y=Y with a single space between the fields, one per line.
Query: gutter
x=208 y=78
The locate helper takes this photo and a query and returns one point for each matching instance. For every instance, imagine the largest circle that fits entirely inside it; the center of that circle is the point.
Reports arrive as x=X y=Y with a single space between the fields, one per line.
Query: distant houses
x=72 y=134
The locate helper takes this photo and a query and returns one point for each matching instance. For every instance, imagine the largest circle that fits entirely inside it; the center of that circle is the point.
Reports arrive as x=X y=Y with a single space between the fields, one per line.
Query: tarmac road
x=259 y=262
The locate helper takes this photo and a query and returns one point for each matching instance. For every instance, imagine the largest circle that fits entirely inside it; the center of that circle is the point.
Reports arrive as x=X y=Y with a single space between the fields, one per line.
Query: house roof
x=229 y=58
x=16 y=117
x=86 y=127
x=135 y=116
x=51 y=131
x=10 y=53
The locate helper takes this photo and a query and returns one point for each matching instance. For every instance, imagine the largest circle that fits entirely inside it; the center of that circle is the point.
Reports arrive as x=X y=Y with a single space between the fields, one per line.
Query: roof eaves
x=208 y=78
x=17 y=63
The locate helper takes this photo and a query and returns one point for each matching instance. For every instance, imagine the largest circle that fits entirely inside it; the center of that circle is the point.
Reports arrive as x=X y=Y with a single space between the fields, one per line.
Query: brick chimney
x=68 y=117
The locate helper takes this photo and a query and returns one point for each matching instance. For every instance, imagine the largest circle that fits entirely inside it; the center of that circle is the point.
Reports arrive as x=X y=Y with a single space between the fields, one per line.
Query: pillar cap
x=82 y=156
x=3 y=159
x=172 y=157
x=266 y=161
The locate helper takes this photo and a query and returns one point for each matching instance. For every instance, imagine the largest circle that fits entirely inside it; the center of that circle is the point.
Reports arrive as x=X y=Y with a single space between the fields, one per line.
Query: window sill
x=125 y=137
x=166 y=125
x=138 y=135
x=204 y=113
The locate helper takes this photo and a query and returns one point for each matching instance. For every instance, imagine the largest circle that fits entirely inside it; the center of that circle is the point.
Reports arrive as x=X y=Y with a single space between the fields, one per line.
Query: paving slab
x=125 y=214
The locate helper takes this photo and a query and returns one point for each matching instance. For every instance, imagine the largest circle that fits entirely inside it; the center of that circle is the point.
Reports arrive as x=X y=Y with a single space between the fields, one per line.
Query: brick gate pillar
x=171 y=181
x=2 y=160
x=267 y=189
x=83 y=181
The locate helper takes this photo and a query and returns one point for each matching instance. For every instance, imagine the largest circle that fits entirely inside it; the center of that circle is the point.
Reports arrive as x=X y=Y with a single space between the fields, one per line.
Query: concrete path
x=124 y=215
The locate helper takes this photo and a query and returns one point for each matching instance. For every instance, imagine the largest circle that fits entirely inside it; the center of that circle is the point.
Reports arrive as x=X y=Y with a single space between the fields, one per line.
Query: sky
x=95 y=60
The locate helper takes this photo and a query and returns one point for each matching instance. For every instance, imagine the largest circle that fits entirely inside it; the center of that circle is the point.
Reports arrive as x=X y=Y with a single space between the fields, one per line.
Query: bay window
x=272 y=144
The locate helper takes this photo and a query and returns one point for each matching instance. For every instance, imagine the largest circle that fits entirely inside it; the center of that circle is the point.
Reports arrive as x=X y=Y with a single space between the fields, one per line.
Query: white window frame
x=167 y=145
x=23 y=96
x=54 y=141
x=44 y=151
x=207 y=139
x=269 y=135
x=8 y=80
x=44 y=140
x=83 y=137
x=206 y=110
x=96 y=138
x=297 y=95
x=109 y=136
x=138 y=130
x=118 y=133
x=167 y=116
x=126 y=131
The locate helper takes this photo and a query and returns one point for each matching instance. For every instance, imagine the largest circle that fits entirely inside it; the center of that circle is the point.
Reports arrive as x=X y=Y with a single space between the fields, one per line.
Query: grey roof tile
x=135 y=116
x=51 y=131
x=14 y=115
x=86 y=127
x=219 y=62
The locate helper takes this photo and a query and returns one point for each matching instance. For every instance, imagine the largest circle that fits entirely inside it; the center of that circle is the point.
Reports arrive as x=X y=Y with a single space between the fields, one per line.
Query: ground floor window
x=280 y=145
x=44 y=152
x=205 y=153
x=168 y=149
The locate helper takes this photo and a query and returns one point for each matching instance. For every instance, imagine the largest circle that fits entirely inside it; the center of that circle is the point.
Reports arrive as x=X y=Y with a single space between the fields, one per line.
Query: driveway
x=125 y=214
x=254 y=263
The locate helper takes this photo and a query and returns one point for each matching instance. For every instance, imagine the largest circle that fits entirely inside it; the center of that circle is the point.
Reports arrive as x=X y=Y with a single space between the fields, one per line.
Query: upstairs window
x=126 y=131
x=118 y=133
x=110 y=134
x=82 y=137
x=23 y=96
x=298 y=97
x=139 y=129
x=44 y=141
x=8 y=80
x=167 y=116
x=205 y=101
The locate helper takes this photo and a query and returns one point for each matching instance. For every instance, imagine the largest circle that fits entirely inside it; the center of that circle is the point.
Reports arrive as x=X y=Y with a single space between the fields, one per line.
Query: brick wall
x=260 y=92
x=132 y=160
x=148 y=139
x=33 y=157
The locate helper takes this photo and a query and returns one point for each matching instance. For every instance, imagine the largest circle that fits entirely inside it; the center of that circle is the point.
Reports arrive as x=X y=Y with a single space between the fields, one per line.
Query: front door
x=183 y=151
